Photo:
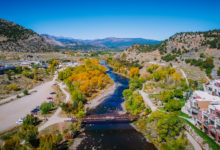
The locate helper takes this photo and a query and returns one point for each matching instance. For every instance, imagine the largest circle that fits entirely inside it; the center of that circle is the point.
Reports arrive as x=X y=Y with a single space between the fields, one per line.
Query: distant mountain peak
x=105 y=43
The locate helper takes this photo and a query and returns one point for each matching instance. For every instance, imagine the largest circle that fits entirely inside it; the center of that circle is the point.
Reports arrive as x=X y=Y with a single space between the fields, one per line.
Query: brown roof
x=203 y=105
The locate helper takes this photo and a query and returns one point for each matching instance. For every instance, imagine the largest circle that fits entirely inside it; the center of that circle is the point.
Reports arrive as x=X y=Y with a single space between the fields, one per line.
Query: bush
x=25 y=92
x=28 y=74
x=49 y=142
x=202 y=55
x=169 y=57
x=13 y=87
x=46 y=107
x=152 y=68
x=12 y=144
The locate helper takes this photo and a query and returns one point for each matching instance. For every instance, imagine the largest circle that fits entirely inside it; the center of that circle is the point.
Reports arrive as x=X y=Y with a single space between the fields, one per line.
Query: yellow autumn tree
x=176 y=76
x=134 y=72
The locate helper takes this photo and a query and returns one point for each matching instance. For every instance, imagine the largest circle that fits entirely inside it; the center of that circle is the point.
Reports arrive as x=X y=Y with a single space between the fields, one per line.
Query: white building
x=214 y=88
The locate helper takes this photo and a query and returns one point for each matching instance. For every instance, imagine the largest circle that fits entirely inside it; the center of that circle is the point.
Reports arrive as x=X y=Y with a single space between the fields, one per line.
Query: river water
x=120 y=136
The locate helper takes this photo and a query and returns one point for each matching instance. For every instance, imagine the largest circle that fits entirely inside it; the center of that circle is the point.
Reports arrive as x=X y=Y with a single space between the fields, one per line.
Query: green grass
x=162 y=108
x=203 y=135
x=183 y=114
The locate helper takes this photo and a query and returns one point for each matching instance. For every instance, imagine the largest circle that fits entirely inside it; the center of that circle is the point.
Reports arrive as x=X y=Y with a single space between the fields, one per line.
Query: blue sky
x=92 y=19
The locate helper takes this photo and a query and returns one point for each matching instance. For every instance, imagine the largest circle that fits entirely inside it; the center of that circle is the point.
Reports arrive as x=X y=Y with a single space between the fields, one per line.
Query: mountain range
x=14 y=37
x=106 y=43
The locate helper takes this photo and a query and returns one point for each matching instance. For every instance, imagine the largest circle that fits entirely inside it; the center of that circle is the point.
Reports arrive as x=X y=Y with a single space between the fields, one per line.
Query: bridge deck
x=98 y=118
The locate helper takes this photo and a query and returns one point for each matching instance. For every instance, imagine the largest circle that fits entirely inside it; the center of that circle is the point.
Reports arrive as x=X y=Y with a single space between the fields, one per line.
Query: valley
x=153 y=94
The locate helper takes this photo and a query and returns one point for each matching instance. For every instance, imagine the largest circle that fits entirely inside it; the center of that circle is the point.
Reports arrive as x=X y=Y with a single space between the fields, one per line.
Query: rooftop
x=204 y=96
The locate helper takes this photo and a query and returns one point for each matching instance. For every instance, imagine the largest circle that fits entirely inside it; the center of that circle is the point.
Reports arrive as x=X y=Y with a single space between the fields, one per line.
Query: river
x=120 y=136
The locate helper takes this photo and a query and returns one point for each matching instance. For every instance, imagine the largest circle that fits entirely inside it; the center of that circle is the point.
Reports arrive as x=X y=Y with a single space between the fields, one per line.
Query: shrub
x=28 y=74
x=12 y=144
x=13 y=87
x=152 y=68
x=49 y=142
x=169 y=57
x=202 y=55
x=25 y=92
x=46 y=107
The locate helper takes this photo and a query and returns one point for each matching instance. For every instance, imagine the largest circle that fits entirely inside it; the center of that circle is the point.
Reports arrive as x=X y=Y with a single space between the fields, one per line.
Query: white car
x=20 y=121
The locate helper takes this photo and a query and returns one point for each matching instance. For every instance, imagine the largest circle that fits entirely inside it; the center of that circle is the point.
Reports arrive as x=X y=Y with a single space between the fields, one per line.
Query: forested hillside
x=14 y=37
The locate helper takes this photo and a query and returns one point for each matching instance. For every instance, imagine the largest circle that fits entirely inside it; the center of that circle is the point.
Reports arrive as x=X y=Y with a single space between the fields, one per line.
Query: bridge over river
x=106 y=118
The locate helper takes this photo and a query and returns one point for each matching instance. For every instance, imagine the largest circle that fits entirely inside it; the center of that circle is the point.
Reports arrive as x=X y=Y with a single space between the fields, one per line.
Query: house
x=200 y=101
x=205 y=111
x=214 y=88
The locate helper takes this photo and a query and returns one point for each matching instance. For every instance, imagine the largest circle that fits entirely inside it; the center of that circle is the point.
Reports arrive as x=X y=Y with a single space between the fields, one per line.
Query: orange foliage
x=134 y=72
x=90 y=76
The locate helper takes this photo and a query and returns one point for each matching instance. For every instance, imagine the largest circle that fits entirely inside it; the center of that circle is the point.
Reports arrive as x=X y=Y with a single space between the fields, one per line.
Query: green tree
x=127 y=93
x=75 y=127
x=218 y=72
x=77 y=96
x=136 y=83
x=30 y=120
x=49 y=142
x=29 y=133
x=166 y=95
x=46 y=107
x=18 y=70
x=173 y=105
x=13 y=144
x=178 y=93
x=168 y=127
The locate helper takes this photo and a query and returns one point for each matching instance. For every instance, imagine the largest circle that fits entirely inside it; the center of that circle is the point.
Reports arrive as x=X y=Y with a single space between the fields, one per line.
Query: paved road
x=11 y=112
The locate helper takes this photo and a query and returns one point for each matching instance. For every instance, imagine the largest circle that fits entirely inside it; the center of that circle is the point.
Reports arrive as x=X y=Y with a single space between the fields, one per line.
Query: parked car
x=38 y=108
x=51 y=102
x=50 y=98
x=20 y=121
x=53 y=93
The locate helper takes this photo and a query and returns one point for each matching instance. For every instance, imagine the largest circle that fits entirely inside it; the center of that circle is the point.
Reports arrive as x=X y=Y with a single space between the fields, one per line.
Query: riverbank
x=145 y=136
x=91 y=104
